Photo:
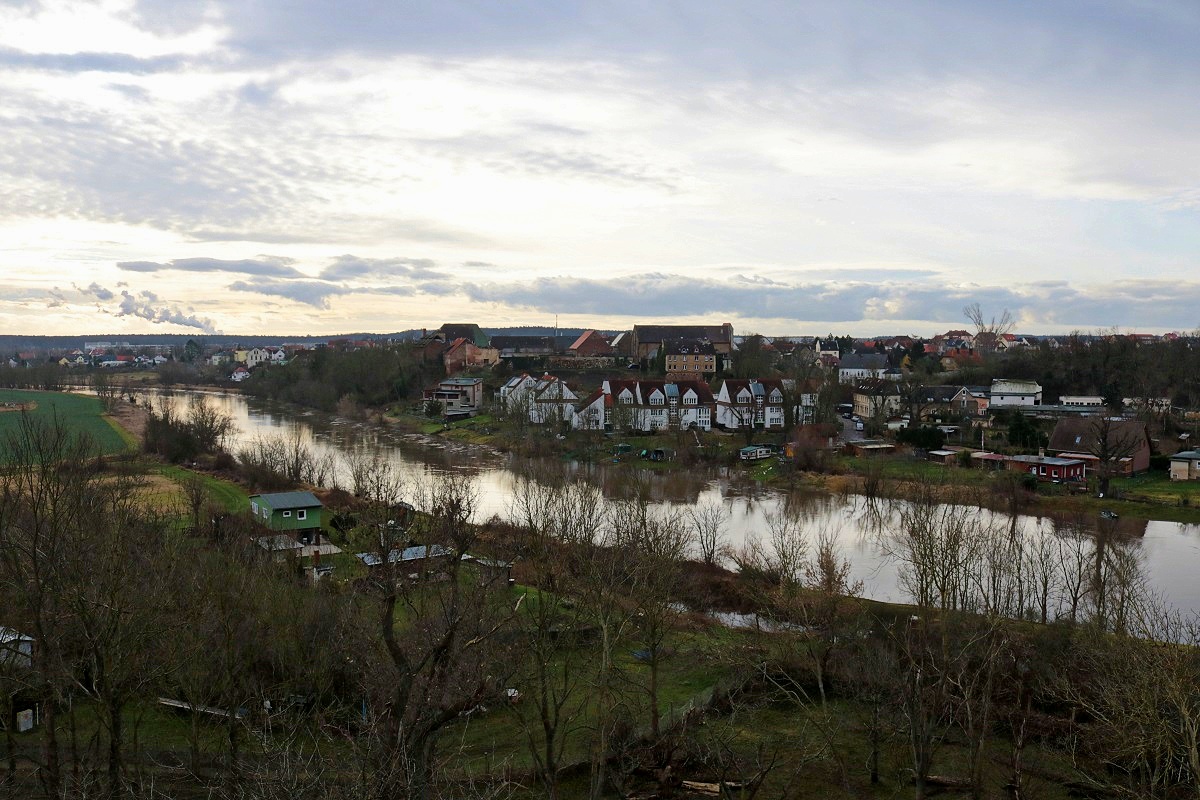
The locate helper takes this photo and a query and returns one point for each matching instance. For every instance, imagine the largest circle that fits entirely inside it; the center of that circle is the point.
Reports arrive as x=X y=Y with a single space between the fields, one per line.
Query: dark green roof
x=286 y=500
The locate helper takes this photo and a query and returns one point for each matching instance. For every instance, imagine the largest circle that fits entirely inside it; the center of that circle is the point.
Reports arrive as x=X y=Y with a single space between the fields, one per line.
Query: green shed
x=299 y=513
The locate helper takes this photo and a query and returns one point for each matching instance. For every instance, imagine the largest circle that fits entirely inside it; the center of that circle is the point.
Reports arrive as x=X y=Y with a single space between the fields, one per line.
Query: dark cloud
x=144 y=305
x=267 y=266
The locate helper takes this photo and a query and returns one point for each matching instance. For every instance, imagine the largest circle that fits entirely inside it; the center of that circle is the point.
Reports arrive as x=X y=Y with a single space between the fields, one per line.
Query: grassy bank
x=84 y=415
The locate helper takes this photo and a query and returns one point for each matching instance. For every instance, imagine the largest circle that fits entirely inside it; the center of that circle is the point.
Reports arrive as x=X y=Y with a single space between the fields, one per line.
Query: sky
x=329 y=166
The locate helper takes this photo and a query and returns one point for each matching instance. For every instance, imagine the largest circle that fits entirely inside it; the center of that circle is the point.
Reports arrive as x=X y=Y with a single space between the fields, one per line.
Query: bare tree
x=988 y=332
x=434 y=653
x=709 y=521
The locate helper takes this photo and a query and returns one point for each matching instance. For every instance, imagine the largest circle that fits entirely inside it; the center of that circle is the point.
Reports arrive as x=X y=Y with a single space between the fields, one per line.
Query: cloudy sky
x=324 y=166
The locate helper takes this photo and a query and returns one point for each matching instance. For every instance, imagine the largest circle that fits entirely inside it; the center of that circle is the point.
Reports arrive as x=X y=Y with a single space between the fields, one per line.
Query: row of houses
x=647 y=405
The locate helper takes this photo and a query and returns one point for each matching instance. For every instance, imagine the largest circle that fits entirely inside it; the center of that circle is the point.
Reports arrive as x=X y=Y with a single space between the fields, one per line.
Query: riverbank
x=899 y=477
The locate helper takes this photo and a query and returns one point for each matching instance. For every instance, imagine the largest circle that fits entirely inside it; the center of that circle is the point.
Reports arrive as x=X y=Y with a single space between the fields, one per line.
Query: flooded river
x=1169 y=553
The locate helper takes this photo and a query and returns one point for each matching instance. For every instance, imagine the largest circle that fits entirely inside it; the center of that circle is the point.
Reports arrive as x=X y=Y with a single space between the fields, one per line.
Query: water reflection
x=1169 y=553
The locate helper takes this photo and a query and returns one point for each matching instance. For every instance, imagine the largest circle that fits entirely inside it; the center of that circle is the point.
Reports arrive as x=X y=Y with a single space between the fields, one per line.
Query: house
x=590 y=345
x=690 y=358
x=1185 y=466
x=239 y=374
x=256 y=356
x=296 y=513
x=460 y=397
x=876 y=397
x=647 y=339
x=1127 y=439
x=509 y=347
x=594 y=413
x=827 y=351
x=517 y=392
x=543 y=399
x=462 y=354
x=691 y=404
x=638 y=404
x=748 y=403
x=1049 y=469
x=955 y=358
x=469 y=331
x=552 y=401
x=855 y=367
x=647 y=405
x=979 y=400
x=1013 y=393
x=940 y=402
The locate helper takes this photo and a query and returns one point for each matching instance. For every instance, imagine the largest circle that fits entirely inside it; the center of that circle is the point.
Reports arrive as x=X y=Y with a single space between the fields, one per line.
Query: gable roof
x=661 y=333
x=877 y=387
x=1077 y=434
x=937 y=394
x=684 y=347
x=465 y=330
x=280 y=501
x=872 y=361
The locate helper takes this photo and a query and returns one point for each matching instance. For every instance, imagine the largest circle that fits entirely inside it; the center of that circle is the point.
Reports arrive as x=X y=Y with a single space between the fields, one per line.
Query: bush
x=1160 y=463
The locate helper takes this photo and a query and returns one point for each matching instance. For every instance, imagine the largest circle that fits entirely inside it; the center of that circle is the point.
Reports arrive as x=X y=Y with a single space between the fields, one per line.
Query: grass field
x=82 y=414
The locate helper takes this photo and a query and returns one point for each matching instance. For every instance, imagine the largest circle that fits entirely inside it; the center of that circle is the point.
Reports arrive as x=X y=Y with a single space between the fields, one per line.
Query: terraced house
x=748 y=403
x=647 y=405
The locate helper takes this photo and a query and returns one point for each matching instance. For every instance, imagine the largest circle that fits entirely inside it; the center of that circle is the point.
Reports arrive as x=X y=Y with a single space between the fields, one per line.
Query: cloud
x=313 y=293
x=349 y=267
x=97 y=291
x=267 y=266
x=657 y=296
x=143 y=306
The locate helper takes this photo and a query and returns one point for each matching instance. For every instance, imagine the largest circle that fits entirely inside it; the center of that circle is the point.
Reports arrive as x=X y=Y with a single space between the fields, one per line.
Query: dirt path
x=132 y=418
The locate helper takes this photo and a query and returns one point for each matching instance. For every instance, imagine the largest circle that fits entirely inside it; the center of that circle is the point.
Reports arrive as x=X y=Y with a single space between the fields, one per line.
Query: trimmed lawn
x=82 y=414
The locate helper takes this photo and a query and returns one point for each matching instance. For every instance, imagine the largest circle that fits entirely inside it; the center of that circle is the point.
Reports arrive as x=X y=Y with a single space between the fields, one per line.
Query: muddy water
x=1169 y=552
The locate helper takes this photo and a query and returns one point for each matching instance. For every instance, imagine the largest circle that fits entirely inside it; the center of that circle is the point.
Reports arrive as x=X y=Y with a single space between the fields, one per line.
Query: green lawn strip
x=230 y=496
x=77 y=412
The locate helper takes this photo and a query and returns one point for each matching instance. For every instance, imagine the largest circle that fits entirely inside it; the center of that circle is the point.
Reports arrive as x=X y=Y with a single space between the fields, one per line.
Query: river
x=1168 y=552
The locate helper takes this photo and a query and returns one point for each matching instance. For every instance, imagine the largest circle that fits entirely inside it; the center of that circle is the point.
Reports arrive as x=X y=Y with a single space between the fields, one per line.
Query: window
x=254 y=507
x=266 y=512
x=301 y=514
x=287 y=513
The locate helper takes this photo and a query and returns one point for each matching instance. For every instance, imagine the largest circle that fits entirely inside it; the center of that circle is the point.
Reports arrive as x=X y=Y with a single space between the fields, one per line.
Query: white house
x=1012 y=392
x=747 y=403
x=856 y=367
x=553 y=401
x=256 y=356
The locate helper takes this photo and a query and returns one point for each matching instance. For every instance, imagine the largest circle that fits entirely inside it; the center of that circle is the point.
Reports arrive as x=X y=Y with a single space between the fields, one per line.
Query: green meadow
x=79 y=413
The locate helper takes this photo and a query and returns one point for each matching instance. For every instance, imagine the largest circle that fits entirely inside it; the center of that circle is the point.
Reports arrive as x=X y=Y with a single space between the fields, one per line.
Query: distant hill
x=21 y=343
